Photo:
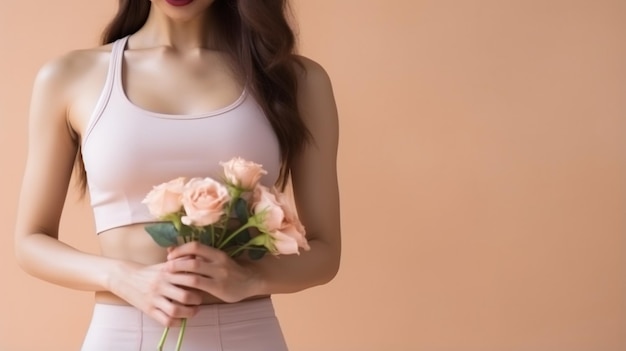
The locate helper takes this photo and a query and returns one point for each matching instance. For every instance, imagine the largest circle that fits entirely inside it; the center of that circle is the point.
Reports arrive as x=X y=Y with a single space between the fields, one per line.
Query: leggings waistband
x=241 y=326
x=125 y=317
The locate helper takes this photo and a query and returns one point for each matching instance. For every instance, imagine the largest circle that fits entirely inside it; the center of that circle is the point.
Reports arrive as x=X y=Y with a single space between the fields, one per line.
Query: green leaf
x=164 y=234
x=241 y=238
x=256 y=252
x=185 y=231
x=241 y=210
x=205 y=238
x=233 y=252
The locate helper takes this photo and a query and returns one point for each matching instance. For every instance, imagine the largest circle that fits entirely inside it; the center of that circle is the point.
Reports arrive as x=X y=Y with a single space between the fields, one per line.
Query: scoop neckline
x=120 y=88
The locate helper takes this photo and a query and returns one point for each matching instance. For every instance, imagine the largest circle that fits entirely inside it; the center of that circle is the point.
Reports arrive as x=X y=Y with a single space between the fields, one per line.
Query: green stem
x=238 y=250
x=175 y=219
x=234 y=234
x=181 y=334
x=212 y=236
x=163 y=337
x=194 y=234
x=259 y=240
x=236 y=193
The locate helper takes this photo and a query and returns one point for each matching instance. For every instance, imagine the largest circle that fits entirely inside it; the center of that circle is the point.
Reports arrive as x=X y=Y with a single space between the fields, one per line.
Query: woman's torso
x=188 y=83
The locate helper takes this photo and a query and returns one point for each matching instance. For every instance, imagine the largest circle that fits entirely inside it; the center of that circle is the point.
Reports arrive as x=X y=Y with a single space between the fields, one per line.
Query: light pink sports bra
x=127 y=150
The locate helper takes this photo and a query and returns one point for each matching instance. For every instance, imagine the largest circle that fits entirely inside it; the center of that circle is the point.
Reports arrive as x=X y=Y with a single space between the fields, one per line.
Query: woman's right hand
x=150 y=289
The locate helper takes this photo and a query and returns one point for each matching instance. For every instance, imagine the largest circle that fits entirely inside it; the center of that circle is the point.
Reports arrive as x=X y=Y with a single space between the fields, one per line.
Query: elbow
x=20 y=253
x=328 y=276
x=333 y=270
x=25 y=253
x=331 y=266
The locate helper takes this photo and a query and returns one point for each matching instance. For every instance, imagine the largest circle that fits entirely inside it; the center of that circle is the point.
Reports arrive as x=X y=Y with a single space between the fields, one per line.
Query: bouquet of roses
x=236 y=215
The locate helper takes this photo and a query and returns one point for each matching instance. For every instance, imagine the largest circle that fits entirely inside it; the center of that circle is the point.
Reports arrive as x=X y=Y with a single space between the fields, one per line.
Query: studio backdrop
x=482 y=169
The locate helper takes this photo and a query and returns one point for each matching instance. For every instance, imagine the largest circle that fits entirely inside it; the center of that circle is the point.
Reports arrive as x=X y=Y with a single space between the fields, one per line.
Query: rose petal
x=204 y=200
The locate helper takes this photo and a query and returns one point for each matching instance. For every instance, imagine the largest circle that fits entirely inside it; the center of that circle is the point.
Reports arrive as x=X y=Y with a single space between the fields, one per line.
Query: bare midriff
x=133 y=243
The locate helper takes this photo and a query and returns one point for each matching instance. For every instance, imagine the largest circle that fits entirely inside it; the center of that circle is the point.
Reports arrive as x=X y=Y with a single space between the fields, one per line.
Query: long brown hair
x=260 y=43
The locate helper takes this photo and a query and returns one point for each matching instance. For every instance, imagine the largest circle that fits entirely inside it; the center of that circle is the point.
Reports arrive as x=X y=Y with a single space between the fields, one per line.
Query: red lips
x=179 y=2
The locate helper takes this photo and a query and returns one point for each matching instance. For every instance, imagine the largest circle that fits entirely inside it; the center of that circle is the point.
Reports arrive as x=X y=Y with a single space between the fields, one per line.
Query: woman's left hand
x=212 y=271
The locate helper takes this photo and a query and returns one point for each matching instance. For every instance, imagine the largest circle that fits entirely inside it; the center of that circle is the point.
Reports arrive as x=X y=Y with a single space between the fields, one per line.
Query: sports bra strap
x=115 y=63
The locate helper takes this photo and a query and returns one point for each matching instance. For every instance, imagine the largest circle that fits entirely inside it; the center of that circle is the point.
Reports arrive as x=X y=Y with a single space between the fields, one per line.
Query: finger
x=175 y=310
x=197 y=249
x=163 y=318
x=181 y=296
x=193 y=281
x=187 y=265
x=214 y=271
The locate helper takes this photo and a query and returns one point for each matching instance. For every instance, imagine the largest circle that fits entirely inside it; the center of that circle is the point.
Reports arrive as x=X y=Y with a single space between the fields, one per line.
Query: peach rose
x=165 y=199
x=242 y=174
x=281 y=223
x=263 y=201
x=203 y=200
x=288 y=207
x=283 y=244
x=288 y=239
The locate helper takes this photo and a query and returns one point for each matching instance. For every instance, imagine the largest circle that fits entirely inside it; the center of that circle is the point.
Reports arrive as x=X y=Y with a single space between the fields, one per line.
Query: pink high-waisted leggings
x=242 y=326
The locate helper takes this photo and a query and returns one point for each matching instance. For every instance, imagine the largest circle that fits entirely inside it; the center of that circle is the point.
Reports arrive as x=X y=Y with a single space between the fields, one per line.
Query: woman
x=179 y=86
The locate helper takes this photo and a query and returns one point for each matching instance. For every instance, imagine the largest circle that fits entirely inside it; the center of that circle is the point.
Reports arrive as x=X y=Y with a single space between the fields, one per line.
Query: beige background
x=482 y=169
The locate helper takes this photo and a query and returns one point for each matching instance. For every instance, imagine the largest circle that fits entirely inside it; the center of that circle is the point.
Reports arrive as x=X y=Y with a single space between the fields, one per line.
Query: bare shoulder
x=68 y=86
x=315 y=94
x=311 y=74
x=65 y=74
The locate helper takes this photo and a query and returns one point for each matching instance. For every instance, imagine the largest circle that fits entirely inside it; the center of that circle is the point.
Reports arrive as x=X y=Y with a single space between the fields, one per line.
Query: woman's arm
x=314 y=179
x=316 y=193
x=51 y=152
